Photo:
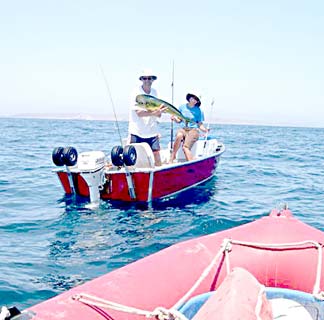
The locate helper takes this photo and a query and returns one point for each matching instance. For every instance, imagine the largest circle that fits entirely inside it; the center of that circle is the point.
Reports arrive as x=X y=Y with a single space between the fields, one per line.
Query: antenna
x=172 y=95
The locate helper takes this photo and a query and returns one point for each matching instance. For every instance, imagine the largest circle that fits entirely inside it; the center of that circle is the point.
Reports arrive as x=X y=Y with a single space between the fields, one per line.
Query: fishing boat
x=271 y=268
x=129 y=174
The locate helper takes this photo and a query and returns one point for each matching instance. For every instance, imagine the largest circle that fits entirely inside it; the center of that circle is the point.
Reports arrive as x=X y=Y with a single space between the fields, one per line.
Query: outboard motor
x=91 y=167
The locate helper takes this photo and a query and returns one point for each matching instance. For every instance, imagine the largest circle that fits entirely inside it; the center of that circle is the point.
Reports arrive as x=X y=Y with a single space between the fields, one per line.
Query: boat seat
x=145 y=157
x=180 y=156
x=294 y=304
x=197 y=150
x=200 y=148
x=285 y=304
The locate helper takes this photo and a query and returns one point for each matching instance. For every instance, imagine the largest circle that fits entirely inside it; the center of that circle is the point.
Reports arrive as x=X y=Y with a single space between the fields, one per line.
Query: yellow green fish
x=152 y=103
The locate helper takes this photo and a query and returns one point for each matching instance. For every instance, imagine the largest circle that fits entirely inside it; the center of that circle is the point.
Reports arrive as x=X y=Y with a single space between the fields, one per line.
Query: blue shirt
x=193 y=113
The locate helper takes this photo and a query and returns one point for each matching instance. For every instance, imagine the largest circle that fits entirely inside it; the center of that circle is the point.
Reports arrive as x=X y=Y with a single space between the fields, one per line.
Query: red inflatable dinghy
x=277 y=253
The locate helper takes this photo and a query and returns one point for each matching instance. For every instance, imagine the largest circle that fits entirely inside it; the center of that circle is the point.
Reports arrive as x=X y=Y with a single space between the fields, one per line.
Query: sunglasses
x=147 y=78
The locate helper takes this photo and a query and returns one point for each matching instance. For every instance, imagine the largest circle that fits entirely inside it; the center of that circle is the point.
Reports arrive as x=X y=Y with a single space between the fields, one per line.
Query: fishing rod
x=211 y=112
x=172 y=92
x=112 y=103
x=129 y=179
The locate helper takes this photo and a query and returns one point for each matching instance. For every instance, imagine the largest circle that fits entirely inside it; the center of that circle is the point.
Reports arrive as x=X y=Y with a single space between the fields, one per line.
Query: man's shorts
x=190 y=137
x=153 y=142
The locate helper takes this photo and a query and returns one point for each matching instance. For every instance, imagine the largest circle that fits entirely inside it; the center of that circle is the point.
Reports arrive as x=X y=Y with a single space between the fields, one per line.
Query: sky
x=261 y=61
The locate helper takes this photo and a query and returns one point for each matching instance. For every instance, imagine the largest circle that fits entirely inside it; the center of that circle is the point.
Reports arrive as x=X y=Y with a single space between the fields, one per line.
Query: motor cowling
x=91 y=161
x=91 y=166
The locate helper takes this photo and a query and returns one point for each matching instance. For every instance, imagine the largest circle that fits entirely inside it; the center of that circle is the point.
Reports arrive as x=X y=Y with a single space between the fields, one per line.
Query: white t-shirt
x=144 y=127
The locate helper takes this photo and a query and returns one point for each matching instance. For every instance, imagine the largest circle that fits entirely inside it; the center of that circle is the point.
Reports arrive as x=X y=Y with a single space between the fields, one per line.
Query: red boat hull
x=149 y=185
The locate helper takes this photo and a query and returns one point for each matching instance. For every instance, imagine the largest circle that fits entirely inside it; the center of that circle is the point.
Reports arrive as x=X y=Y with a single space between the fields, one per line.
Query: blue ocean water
x=50 y=244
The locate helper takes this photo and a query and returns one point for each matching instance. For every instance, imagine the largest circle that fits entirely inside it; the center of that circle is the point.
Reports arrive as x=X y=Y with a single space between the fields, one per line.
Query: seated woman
x=189 y=132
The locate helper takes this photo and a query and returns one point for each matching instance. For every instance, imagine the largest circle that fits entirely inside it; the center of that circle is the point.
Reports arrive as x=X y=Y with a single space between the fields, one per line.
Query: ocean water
x=50 y=244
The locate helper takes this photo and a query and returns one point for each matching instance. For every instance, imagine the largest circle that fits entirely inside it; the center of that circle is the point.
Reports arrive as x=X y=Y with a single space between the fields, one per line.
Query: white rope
x=224 y=247
x=5 y=313
x=316 y=289
x=259 y=303
x=162 y=313
x=227 y=261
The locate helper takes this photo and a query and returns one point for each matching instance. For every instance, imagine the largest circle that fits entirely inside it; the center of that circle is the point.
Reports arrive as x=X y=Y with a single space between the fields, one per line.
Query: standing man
x=143 y=124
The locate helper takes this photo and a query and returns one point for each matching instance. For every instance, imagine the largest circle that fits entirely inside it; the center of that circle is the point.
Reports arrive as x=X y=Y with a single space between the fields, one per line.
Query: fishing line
x=129 y=180
x=172 y=90
x=211 y=112
x=112 y=103
x=172 y=84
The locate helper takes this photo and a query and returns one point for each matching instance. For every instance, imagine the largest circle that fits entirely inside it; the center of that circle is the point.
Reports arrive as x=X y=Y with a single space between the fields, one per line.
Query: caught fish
x=152 y=103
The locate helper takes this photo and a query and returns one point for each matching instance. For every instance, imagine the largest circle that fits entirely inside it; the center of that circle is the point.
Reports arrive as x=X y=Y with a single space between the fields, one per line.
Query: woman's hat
x=147 y=73
x=190 y=95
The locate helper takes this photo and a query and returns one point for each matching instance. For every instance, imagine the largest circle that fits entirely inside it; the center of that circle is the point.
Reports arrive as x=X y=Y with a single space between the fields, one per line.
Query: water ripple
x=50 y=244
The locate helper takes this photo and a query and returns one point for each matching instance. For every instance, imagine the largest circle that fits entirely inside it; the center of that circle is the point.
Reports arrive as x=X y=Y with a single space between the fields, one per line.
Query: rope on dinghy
x=172 y=313
x=224 y=247
x=160 y=313
x=317 y=293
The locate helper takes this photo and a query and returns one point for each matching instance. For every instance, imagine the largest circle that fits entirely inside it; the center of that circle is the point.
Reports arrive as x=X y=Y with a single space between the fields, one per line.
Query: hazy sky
x=260 y=60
